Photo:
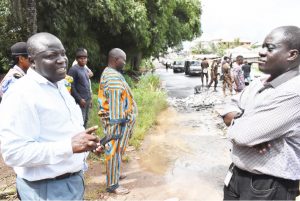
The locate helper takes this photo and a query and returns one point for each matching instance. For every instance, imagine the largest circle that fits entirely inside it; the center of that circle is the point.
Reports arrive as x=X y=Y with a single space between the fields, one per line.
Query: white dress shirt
x=37 y=121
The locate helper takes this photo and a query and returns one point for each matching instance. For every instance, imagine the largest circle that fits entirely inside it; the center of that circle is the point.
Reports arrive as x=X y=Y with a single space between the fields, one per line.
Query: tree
x=143 y=28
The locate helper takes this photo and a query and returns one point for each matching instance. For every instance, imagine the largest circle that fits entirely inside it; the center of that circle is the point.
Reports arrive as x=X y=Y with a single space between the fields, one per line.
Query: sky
x=249 y=20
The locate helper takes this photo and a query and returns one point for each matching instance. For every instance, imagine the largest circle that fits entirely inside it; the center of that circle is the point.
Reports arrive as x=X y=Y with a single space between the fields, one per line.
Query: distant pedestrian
x=246 y=68
x=81 y=85
x=227 y=79
x=214 y=74
x=239 y=81
x=204 y=71
x=168 y=64
x=19 y=68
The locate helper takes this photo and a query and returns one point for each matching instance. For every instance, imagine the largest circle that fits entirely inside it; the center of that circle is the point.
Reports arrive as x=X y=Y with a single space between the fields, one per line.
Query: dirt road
x=184 y=157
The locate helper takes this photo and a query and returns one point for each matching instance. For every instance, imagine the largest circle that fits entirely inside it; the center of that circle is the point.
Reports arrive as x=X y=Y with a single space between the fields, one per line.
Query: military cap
x=19 y=48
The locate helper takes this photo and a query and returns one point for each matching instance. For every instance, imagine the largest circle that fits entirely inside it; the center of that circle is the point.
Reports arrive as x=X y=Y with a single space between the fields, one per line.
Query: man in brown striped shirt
x=265 y=128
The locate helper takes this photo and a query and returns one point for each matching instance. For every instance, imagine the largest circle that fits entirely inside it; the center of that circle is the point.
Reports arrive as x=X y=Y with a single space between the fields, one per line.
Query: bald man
x=41 y=127
x=265 y=127
x=118 y=111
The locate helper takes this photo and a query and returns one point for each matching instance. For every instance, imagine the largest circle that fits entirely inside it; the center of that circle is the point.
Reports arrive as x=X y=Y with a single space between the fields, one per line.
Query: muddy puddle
x=188 y=154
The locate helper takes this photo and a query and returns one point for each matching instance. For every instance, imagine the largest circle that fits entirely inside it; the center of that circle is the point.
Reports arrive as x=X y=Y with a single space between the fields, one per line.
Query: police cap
x=19 y=48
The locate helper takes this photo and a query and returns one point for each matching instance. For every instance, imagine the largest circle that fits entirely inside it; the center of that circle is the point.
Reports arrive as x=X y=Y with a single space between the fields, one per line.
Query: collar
x=280 y=79
x=18 y=68
x=284 y=77
x=38 y=78
x=113 y=69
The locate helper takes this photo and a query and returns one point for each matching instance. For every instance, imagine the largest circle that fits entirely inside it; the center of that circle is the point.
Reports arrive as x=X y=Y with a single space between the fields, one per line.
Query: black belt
x=247 y=173
x=60 y=177
x=66 y=175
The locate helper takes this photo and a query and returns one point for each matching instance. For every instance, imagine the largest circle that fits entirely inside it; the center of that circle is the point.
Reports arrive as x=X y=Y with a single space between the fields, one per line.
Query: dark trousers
x=206 y=76
x=248 y=186
x=85 y=112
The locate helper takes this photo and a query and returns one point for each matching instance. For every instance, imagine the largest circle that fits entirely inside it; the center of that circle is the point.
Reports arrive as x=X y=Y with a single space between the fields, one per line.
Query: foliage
x=150 y=101
x=172 y=22
x=7 y=35
x=141 y=28
x=146 y=65
x=215 y=48
x=221 y=48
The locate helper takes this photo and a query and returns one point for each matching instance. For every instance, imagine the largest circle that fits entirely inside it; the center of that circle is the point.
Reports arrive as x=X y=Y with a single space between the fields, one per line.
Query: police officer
x=20 y=66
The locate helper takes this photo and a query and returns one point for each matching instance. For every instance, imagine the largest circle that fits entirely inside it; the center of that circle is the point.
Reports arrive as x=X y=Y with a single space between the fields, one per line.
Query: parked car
x=192 y=67
x=178 y=66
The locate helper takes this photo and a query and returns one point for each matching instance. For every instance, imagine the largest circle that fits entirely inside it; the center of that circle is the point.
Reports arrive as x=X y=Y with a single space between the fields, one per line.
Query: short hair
x=291 y=36
x=81 y=52
x=37 y=42
x=239 y=57
x=115 y=52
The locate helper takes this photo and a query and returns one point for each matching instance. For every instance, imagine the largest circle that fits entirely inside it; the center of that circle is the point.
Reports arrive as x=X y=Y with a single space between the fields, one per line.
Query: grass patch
x=150 y=99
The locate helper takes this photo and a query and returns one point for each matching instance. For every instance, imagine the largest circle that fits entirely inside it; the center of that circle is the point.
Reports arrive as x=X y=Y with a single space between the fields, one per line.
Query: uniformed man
x=227 y=80
x=20 y=66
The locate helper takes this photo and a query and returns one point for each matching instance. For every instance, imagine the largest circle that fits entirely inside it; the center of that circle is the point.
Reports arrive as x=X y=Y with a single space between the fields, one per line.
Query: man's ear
x=293 y=55
x=31 y=59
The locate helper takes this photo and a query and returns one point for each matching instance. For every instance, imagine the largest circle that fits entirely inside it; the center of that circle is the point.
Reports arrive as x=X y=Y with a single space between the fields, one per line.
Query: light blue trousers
x=71 y=188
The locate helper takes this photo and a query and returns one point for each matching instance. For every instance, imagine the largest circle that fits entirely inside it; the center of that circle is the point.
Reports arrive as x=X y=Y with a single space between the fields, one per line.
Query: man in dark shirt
x=246 y=68
x=80 y=89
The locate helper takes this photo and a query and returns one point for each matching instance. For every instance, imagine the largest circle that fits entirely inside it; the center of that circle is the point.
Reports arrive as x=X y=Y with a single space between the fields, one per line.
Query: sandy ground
x=168 y=166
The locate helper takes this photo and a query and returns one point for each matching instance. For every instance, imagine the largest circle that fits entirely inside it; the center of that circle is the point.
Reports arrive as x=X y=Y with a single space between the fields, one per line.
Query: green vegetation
x=216 y=48
x=141 y=28
x=150 y=100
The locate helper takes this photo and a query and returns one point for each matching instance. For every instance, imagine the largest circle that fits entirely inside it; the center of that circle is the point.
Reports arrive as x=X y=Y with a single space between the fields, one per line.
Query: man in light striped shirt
x=265 y=126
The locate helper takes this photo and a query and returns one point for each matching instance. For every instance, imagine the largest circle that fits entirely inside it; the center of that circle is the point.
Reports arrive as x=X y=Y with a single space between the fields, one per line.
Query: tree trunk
x=24 y=12
x=136 y=61
x=17 y=11
x=31 y=17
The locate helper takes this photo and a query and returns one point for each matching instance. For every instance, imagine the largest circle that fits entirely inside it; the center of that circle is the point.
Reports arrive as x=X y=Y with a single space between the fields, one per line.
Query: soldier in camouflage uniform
x=227 y=81
x=20 y=66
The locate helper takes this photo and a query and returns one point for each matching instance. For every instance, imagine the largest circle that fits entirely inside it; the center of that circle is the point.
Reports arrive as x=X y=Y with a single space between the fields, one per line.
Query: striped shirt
x=115 y=101
x=271 y=114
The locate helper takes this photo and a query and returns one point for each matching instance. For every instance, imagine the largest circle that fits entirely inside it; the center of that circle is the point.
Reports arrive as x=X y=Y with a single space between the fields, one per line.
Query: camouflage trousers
x=227 y=83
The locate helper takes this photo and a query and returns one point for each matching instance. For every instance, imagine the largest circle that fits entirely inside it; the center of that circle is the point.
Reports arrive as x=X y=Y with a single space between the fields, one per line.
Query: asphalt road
x=178 y=85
